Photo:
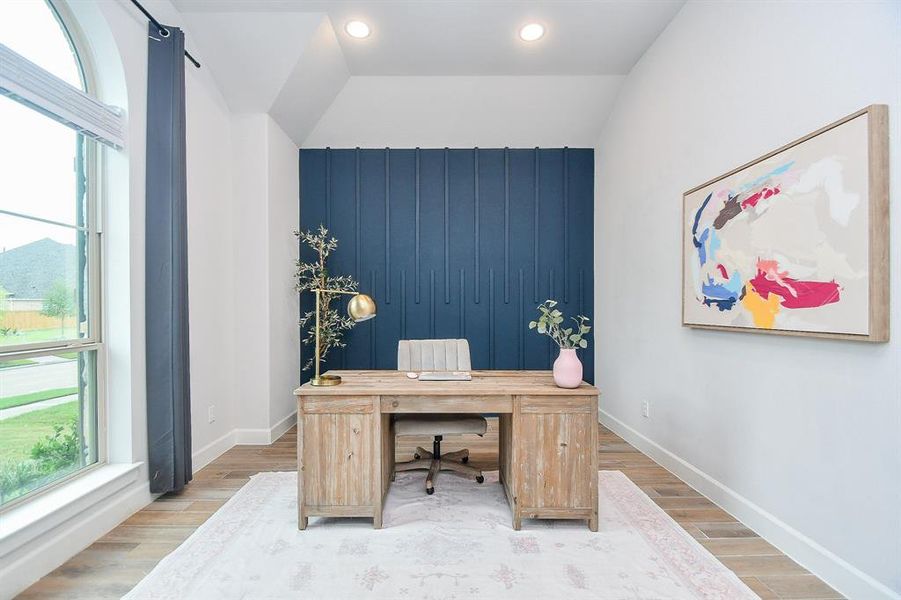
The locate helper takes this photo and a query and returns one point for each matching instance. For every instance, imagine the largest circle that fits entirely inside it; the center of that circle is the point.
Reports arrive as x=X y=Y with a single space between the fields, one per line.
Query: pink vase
x=567 y=369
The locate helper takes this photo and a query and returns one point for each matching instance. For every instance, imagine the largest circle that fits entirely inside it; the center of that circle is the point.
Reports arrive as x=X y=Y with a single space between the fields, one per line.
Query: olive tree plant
x=315 y=275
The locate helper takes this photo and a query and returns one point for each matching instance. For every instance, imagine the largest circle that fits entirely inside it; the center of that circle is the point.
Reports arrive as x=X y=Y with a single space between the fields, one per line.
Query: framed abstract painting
x=797 y=241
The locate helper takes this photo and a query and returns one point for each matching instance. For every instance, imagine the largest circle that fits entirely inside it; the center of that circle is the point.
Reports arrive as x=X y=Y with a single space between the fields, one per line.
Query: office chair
x=437 y=355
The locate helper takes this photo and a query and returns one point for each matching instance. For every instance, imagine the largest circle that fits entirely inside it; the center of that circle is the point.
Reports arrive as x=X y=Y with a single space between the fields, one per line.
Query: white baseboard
x=264 y=437
x=837 y=572
x=279 y=429
x=212 y=451
x=26 y=565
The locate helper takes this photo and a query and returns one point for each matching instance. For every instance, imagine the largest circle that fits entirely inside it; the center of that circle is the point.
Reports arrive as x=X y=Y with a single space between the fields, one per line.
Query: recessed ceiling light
x=357 y=29
x=531 y=32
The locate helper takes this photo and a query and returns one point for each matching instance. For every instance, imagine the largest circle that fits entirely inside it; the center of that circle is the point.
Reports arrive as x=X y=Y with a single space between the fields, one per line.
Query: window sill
x=25 y=522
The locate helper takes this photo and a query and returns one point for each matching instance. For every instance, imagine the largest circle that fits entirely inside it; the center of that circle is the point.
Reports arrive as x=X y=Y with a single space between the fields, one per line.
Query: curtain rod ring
x=164 y=32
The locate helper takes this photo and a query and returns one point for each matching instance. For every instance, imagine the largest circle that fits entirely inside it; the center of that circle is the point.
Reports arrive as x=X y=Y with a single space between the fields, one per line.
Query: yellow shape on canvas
x=762 y=310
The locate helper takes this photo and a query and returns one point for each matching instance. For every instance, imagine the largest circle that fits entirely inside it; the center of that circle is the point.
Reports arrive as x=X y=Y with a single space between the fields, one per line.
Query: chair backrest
x=433 y=355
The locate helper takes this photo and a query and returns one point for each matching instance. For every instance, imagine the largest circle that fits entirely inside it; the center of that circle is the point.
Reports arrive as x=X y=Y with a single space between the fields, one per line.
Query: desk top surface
x=484 y=383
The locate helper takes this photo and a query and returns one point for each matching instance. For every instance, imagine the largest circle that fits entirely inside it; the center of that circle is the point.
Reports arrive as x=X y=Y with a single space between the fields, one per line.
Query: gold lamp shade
x=361 y=308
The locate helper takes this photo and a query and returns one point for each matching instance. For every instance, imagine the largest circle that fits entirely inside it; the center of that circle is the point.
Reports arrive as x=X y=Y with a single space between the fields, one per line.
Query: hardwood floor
x=112 y=565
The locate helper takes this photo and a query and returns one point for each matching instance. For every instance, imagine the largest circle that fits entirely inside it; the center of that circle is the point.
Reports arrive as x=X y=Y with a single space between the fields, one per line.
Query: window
x=50 y=334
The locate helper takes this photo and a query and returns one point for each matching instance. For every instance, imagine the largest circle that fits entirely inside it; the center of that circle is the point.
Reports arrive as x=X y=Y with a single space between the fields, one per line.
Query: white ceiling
x=293 y=60
x=479 y=37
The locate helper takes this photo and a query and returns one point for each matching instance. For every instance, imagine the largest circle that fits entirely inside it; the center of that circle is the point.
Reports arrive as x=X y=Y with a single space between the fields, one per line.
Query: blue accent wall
x=456 y=243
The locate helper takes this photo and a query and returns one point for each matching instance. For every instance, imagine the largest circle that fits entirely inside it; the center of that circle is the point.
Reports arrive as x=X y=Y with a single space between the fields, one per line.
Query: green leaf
x=532 y=324
x=552 y=303
x=583 y=343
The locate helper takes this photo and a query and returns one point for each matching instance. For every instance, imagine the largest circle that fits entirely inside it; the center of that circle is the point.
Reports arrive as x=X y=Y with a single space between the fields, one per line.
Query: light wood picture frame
x=795 y=242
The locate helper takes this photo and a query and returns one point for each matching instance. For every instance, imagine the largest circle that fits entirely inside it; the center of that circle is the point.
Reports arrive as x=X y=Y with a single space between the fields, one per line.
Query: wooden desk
x=548 y=440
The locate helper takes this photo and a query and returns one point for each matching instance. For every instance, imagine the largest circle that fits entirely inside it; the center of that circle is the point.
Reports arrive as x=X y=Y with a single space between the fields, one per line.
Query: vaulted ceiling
x=292 y=58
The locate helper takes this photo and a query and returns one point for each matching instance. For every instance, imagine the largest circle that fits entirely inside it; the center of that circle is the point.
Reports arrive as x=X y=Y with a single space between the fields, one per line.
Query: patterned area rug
x=457 y=544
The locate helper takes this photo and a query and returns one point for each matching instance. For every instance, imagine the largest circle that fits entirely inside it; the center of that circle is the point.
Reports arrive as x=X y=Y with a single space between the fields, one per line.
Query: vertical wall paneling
x=446 y=232
x=387 y=226
x=581 y=291
x=537 y=224
x=522 y=319
x=431 y=303
x=418 y=189
x=403 y=305
x=506 y=225
x=372 y=325
x=357 y=224
x=461 y=309
x=328 y=188
x=565 y=224
x=477 y=246
x=491 y=339
x=455 y=225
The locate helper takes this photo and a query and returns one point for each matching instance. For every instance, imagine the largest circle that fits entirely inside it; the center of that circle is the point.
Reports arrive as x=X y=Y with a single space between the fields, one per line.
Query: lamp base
x=325 y=380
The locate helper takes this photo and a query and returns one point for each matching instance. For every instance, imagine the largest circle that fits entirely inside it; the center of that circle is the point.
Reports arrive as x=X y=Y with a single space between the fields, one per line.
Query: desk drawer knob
x=395 y=403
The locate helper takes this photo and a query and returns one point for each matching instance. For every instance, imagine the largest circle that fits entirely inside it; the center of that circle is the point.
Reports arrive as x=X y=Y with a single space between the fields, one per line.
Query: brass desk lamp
x=360 y=308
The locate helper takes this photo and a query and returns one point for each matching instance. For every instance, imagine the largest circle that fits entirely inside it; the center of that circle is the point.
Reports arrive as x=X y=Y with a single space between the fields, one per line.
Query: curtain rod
x=163 y=31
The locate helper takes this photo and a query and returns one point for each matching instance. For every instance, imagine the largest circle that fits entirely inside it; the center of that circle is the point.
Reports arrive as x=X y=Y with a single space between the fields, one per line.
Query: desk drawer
x=449 y=404
x=556 y=404
x=338 y=404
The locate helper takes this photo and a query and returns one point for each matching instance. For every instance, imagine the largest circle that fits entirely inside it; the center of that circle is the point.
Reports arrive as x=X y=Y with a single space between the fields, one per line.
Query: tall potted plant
x=315 y=275
x=567 y=367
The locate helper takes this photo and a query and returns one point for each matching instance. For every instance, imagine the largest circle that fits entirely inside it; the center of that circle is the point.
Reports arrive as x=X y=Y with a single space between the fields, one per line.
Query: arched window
x=50 y=333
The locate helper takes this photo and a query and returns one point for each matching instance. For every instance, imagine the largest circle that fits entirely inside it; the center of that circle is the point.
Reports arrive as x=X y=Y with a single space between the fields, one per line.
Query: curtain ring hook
x=164 y=32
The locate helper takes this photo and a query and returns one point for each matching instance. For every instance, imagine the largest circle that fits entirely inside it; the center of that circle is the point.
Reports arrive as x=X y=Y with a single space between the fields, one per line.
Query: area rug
x=457 y=544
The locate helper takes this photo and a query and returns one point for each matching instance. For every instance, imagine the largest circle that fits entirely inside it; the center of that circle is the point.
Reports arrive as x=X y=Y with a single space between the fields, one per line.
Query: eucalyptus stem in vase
x=567 y=367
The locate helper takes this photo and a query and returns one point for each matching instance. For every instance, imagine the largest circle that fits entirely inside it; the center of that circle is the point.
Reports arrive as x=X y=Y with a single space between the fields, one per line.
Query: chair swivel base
x=436 y=462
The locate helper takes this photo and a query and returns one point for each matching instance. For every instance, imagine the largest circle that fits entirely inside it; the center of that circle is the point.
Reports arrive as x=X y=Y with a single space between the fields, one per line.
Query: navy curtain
x=166 y=295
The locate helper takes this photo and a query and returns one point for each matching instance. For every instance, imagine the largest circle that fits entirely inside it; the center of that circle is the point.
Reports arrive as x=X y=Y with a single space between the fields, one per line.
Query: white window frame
x=27 y=83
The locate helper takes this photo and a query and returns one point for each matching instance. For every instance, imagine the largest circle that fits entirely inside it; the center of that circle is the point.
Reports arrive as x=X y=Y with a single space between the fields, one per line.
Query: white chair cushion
x=433 y=355
x=436 y=355
x=440 y=424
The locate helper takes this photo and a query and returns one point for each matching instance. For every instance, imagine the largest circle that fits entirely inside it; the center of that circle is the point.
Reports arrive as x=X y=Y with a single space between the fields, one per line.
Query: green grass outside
x=23 y=399
x=38 y=335
x=19 y=434
x=19 y=362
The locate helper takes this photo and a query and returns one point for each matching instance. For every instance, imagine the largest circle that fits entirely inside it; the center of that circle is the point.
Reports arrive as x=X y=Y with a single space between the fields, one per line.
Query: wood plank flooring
x=112 y=565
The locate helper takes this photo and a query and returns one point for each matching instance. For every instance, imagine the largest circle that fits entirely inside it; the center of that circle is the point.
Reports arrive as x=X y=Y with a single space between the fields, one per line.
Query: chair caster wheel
x=430 y=491
x=416 y=456
x=464 y=460
x=480 y=479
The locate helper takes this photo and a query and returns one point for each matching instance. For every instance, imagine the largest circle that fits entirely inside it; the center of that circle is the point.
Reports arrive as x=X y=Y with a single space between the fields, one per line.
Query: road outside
x=45 y=375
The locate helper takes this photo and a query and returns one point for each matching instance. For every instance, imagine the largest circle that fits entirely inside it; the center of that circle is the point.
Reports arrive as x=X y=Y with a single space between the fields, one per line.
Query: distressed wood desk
x=548 y=441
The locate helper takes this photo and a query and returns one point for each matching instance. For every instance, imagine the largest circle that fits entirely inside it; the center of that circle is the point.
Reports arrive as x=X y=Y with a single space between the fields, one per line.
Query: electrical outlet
x=211 y=413
x=646 y=409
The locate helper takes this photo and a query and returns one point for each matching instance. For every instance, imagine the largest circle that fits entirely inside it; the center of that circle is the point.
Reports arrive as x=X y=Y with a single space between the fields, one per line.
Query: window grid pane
x=48 y=420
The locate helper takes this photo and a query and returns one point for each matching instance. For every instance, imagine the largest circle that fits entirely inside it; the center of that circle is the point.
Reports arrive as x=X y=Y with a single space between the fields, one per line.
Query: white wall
x=250 y=258
x=434 y=112
x=211 y=275
x=265 y=166
x=284 y=218
x=812 y=460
